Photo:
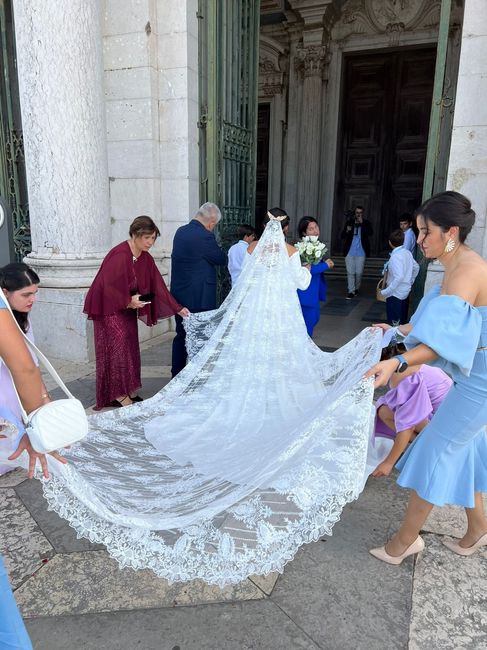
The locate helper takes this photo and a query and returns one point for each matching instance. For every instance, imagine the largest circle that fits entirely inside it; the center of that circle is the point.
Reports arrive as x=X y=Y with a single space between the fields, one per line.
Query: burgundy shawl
x=120 y=277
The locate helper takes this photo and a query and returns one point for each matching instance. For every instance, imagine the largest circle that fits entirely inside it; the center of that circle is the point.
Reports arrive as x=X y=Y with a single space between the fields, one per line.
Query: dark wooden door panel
x=262 y=169
x=386 y=103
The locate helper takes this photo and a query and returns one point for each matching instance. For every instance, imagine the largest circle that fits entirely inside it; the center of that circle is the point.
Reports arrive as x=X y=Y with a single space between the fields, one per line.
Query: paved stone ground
x=334 y=595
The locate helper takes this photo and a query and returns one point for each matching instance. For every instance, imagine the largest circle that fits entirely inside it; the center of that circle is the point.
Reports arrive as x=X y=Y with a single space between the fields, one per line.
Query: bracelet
x=44 y=395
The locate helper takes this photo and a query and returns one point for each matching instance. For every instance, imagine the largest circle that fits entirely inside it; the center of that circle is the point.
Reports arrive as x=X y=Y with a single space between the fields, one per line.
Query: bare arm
x=26 y=375
x=27 y=378
x=400 y=443
x=384 y=370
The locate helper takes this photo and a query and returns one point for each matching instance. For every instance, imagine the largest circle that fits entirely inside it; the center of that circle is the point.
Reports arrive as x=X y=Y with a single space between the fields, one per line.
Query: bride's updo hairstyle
x=449 y=209
x=279 y=212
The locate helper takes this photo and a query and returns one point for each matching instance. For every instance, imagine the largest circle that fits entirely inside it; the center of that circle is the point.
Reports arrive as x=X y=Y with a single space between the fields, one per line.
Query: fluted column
x=59 y=57
x=310 y=62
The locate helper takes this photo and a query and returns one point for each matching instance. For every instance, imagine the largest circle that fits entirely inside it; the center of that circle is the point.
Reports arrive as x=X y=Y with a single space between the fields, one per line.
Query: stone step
x=372 y=271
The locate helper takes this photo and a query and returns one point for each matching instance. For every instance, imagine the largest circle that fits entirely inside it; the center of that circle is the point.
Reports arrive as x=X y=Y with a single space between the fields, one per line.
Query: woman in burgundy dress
x=113 y=303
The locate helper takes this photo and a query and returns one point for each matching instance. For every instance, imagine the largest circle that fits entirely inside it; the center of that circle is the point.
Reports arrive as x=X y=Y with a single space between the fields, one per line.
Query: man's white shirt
x=236 y=256
x=402 y=270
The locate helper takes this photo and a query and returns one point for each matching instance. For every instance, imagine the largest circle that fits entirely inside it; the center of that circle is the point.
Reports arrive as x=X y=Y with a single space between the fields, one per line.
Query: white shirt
x=402 y=270
x=409 y=240
x=236 y=256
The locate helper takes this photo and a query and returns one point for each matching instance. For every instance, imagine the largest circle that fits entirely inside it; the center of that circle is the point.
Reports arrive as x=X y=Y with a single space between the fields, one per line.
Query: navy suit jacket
x=195 y=256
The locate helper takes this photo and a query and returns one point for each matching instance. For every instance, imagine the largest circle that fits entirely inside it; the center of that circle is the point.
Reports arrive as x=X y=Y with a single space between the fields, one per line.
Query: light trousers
x=355 y=269
x=13 y=635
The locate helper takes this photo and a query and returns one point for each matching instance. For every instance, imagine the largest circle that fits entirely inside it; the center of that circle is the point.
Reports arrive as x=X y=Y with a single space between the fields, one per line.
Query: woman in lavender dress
x=414 y=397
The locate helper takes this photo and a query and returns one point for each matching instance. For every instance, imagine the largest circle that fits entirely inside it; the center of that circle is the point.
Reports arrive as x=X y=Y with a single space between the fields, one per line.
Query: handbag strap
x=45 y=361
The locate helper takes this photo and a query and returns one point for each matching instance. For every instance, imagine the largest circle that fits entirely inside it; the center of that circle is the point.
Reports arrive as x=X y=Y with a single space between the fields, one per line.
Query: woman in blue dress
x=311 y=297
x=447 y=464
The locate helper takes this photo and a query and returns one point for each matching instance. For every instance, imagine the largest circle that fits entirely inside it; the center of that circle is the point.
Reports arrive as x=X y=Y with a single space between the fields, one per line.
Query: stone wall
x=467 y=172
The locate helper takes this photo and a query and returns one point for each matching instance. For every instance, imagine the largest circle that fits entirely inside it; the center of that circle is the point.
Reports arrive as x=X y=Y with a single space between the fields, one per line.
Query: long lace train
x=251 y=451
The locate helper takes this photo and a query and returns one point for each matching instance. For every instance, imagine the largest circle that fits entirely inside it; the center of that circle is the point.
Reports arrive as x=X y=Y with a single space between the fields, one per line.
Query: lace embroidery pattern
x=251 y=451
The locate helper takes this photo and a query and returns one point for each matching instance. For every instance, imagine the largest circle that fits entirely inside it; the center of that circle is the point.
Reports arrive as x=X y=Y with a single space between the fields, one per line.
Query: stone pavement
x=334 y=595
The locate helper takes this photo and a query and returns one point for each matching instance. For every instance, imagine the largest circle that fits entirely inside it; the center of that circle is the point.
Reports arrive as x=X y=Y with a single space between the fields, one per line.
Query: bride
x=251 y=451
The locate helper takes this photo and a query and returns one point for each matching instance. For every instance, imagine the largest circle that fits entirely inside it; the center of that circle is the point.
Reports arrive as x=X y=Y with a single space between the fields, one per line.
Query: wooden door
x=386 y=104
x=262 y=168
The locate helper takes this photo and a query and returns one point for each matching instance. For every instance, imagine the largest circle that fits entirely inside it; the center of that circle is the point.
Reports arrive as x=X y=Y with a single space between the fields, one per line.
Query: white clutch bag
x=59 y=423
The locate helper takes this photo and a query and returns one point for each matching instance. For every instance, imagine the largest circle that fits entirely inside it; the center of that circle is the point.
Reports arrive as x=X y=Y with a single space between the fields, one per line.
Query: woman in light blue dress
x=447 y=464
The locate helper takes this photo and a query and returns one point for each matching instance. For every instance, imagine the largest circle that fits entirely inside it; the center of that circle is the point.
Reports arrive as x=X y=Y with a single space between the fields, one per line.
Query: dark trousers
x=397 y=310
x=179 y=354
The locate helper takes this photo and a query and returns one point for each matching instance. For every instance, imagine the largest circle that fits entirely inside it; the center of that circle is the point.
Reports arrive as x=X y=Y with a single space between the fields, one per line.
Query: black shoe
x=355 y=293
x=350 y=296
x=137 y=398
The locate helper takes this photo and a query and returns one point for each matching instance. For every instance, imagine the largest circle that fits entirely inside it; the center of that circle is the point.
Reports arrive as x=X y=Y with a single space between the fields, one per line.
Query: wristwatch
x=403 y=364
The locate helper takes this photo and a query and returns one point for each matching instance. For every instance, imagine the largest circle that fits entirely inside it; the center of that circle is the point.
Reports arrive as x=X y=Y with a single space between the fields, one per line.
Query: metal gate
x=15 y=232
x=228 y=64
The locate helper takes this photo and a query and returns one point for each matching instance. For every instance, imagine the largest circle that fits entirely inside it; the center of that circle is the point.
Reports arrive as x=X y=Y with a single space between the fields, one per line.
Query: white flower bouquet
x=311 y=250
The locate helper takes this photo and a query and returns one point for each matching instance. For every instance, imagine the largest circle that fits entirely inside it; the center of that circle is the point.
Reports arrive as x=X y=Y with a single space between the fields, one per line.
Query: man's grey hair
x=209 y=212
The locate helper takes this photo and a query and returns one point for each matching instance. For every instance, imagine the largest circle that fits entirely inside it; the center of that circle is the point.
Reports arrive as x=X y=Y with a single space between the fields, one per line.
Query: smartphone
x=147 y=297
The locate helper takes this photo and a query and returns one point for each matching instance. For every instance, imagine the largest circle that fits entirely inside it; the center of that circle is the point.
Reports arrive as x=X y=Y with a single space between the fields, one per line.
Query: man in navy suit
x=195 y=256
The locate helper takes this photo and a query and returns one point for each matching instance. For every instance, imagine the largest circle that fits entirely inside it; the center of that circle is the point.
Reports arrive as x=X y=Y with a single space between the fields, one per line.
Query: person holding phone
x=127 y=287
x=356 y=235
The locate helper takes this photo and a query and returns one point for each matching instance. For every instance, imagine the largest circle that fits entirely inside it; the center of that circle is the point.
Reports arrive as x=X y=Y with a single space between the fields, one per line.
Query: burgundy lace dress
x=115 y=327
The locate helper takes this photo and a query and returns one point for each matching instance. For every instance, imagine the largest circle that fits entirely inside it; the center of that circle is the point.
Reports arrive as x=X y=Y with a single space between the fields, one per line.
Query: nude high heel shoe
x=381 y=554
x=454 y=546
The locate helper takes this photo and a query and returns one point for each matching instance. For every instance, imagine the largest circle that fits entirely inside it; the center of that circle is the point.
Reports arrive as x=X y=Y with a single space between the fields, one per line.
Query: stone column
x=59 y=56
x=311 y=62
x=467 y=170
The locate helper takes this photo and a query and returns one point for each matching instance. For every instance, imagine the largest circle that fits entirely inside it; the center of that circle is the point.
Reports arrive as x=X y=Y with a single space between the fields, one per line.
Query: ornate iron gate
x=13 y=184
x=229 y=42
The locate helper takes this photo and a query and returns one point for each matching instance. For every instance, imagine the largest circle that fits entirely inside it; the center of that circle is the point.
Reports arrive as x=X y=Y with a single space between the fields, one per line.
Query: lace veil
x=251 y=451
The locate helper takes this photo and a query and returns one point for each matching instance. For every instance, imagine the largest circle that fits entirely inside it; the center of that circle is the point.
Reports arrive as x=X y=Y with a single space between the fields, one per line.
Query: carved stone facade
x=311 y=61
x=129 y=120
x=316 y=36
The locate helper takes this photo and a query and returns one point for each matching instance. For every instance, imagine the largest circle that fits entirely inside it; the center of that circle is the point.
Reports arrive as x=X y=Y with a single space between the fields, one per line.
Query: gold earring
x=450 y=245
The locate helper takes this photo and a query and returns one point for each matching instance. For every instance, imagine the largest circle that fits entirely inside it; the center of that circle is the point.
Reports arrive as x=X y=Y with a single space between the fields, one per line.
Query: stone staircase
x=372 y=271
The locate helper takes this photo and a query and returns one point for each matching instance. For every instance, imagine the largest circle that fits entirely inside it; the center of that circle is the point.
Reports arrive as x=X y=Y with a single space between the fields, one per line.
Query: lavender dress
x=415 y=398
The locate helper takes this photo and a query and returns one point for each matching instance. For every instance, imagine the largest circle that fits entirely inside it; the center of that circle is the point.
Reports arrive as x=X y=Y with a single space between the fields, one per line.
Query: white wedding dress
x=251 y=451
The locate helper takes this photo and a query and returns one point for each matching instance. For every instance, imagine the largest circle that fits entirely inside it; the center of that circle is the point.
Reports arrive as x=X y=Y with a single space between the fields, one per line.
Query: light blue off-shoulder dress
x=447 y=463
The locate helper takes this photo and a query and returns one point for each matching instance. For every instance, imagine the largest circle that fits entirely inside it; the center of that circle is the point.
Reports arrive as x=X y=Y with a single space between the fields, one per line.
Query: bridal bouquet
x=311 y=251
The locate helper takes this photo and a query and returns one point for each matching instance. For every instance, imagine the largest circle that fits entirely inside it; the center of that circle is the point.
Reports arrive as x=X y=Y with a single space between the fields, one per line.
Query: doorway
x=385 y=107
x=262 y=166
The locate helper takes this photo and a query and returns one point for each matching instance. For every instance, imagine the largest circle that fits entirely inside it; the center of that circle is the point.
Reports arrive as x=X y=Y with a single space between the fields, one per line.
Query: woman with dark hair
x=127 y=287
x=19 y=284
x=311 y=297
x=15 y=356
x=447 y=463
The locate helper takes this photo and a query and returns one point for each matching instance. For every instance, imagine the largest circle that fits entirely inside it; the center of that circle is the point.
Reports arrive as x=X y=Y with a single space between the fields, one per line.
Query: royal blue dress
x=447 y=463
x=311 y=297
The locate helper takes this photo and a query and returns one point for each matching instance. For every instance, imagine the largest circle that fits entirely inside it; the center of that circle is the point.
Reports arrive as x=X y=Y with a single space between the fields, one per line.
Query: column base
x=63 y=331
x=65 y=271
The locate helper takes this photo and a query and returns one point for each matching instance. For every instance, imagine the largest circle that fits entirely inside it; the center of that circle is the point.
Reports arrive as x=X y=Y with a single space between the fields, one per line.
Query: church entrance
x=381 y=154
